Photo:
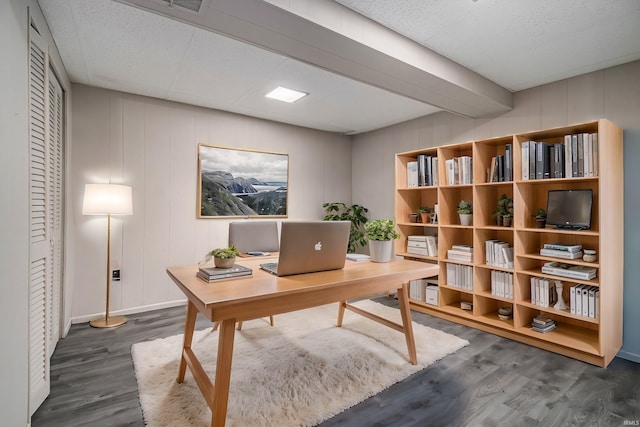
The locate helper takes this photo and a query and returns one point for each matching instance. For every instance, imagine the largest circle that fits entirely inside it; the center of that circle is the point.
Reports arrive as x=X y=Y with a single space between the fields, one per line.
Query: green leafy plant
x=505 y=206
x=541 y=214
x=465 y=207
x=225 y=253
x=356 y=214
x=381 y=229
x=424 y=209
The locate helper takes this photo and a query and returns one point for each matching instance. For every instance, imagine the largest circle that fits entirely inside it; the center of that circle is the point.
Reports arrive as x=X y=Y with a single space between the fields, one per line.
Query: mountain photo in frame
x=237 y=182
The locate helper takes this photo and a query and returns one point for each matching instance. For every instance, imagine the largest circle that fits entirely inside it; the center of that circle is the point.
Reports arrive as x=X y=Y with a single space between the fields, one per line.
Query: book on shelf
x=412 y=174
x=212 y=274
x=464 y=248
x=563 y=247
x=422 y=170
x=560 y=254
x=525 y=160
x=455 y=255
x=508 y=163
x=543 y=324
x=568 y=270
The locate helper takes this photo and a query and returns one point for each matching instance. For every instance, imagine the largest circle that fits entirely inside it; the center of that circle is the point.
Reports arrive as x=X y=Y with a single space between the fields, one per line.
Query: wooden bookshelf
x=593 y=340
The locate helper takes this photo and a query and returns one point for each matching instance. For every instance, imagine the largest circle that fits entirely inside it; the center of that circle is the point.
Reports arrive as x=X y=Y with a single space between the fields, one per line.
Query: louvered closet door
x=55 y=203
x=40 y=248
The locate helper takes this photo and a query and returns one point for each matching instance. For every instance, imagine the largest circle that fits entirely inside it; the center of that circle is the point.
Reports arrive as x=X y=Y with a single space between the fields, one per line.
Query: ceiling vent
x=193 y=5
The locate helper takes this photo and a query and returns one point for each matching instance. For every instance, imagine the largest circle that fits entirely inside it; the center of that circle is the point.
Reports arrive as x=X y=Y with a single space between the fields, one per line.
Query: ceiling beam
x=414 y=71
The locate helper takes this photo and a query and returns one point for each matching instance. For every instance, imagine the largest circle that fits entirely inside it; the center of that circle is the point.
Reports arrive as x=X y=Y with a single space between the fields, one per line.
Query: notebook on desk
x=310 y=246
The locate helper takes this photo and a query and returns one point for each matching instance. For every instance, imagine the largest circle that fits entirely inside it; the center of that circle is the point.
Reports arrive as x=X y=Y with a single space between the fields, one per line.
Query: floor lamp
x=107 y=199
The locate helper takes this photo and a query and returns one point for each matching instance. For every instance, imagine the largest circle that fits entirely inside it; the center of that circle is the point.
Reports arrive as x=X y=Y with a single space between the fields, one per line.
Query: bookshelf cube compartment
x=485 y=153
x=533 y=195
x=448 y=203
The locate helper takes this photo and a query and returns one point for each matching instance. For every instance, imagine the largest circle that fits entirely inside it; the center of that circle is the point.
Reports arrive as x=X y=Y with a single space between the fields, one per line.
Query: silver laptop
x=310 y=246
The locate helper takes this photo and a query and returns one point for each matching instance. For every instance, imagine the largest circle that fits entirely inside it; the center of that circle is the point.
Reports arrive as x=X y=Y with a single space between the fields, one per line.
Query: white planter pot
x=466 y=219
x=381 y=250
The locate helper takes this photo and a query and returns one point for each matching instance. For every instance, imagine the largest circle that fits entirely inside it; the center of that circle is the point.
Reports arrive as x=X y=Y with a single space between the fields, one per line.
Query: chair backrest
x=254 y=236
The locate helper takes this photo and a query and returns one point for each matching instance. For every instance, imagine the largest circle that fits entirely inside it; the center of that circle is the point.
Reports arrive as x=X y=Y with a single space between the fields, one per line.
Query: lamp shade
x=103 y=199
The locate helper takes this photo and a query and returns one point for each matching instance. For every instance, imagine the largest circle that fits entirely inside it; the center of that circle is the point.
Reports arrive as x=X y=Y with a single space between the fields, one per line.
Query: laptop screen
x=309 y=246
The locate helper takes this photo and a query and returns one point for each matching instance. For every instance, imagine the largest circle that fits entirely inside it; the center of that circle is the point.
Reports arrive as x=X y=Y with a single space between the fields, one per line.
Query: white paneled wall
x=152 y=145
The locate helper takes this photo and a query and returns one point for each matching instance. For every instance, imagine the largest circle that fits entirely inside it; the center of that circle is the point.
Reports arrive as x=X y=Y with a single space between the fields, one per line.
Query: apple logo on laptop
x=318 y=246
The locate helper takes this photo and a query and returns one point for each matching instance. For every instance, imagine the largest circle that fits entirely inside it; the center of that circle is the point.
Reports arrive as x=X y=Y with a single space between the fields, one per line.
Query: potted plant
x=224 y=257
x=465 y=210
x=424 y=212
x=541 y=218
x=381 y=233
x=505 y=210
x=354 y=213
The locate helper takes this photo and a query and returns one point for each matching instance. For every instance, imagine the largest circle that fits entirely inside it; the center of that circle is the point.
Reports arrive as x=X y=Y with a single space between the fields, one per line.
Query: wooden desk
x=265 y=294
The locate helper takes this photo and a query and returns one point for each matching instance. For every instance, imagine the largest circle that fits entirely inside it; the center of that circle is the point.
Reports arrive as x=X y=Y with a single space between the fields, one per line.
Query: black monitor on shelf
x=570 y=209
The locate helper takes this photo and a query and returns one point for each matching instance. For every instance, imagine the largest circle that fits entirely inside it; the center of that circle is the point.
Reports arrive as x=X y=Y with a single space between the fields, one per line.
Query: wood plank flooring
x=492 y=382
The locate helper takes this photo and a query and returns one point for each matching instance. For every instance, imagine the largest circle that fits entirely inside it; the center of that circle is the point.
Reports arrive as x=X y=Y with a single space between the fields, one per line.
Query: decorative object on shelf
x=381 y=233
x=560 y=304
x=589 y=255
x=357 y=214
x=541 y=218
x=465 y=210
x=504 y=213
x=413 y=217
x=424 y=212
x=107 y=199
x=434 y=215
x=505 y=313
x=225 y=257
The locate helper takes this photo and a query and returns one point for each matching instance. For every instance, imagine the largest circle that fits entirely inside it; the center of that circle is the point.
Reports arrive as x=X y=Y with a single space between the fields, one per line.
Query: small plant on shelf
x=504 y=213
x=541 y=218
x=465 y=210
x=424 y=212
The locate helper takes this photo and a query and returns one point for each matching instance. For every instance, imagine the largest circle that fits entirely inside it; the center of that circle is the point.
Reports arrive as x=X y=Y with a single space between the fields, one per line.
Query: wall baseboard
x=632 y=357
x=132 y=310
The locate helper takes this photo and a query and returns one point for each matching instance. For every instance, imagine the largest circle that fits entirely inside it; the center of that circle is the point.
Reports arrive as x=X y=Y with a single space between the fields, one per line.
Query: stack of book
x=214 y=274
x=422 y=245
x=543 y=324
x=567 y=270
x=559 y=250
x=460 y=253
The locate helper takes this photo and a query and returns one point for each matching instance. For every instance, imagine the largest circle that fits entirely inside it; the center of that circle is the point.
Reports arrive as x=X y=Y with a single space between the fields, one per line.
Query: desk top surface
x=262 y=285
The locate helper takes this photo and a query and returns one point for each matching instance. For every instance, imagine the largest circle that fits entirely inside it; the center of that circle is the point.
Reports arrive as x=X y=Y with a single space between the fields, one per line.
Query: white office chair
x=254 y=236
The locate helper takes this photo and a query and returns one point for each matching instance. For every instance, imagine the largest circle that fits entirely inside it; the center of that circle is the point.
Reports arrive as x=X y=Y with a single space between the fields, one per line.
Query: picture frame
x=238 y=182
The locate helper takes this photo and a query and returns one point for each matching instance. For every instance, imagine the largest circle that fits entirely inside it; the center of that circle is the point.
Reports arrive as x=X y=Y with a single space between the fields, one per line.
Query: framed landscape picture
x=241 y=183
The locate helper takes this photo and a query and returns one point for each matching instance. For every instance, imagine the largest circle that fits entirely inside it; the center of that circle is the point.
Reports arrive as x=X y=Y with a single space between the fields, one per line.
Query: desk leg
x=223 y=373
x=341 y=307
x=189 y=326
x=403 y=299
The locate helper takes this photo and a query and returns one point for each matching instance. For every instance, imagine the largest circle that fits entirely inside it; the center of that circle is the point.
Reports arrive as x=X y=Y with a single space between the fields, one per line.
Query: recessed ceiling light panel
x=286 y=95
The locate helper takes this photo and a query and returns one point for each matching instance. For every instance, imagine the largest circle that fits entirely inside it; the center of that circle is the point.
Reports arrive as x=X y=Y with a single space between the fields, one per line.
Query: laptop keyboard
x=271 y=267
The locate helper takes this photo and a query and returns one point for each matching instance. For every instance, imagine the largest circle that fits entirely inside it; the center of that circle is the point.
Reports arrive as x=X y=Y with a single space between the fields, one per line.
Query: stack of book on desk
x=213 y=274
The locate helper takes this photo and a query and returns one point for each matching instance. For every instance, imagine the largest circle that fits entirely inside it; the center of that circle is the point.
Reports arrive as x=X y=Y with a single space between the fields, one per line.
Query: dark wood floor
x=491 y=382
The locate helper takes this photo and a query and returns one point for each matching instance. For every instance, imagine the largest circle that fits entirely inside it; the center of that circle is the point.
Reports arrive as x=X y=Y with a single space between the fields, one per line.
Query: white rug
x=300 y=372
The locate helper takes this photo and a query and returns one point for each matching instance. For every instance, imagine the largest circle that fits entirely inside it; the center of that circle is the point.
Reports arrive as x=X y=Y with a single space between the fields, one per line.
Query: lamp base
x=111 y=322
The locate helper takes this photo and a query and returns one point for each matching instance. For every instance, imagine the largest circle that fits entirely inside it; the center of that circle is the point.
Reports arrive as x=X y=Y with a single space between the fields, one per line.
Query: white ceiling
x=360 y=76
